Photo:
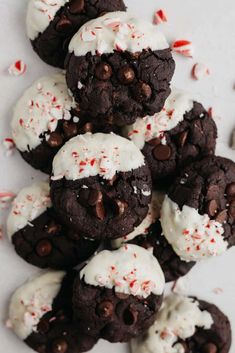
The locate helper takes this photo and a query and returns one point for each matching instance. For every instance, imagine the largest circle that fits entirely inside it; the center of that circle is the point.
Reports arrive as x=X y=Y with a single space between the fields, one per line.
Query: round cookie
x=38 y=235
x=186 y=325
x=197 y=215
x=101 y=185
x=118 y=293
x=51 y=25
x=149 y=235
x=119 y=68
x=40 y=313
x=45 y=117
x=181 y=133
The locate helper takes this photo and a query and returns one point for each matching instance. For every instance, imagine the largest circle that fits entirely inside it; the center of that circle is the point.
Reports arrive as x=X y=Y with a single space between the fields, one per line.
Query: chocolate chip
x=230 y=190
x=44 y=248
x=105 y=309
x=222 y=217
x=43 y=326
x=130 y=317
x=142 y=91
x=53 y=228
x=76 y=6
x=154 y=142
x=121 y=206
x=231 y=209
x=210 y=348
x=88 y=127
x=126 y=75
x=162 y=152
x=95 y=197
x=103 y=71
x=63 y=24
x=59 y=346
x=55 y=140
x=70 y=129
x=182 y=138
x=212 y=208
x=100 y=211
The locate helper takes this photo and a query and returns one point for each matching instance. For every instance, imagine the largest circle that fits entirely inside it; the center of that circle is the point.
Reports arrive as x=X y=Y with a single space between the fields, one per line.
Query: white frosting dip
x=39 y=15
x=32 y=301
x=29 y=204
x=96 y=154
x=130 y=270
x=152 y=216
x=39 y=109
x=150 y=127
x=193 y=236
x=116 y=31
x=178 y=318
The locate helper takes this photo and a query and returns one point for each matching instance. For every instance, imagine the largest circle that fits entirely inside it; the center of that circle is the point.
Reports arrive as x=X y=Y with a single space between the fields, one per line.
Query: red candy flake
x=159 y=17
x=92 y=162
x=183 y=47
x=200 y=71
x=17 y=68
x=9 y=146
x=6 y=198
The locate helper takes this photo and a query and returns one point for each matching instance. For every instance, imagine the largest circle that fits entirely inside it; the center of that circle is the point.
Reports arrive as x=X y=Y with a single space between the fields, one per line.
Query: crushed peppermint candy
x=9 y=146
x=199 y=71
x=183 y=47
x=17 y=68
x=6 y=197
x=218 y=290
x=159 y=17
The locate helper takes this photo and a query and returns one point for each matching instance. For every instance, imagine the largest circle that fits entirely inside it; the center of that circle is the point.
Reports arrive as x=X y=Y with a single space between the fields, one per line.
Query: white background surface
x=210 y=24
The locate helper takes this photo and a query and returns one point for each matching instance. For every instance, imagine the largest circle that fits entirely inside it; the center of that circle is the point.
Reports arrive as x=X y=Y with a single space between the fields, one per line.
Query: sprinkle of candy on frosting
x=17 y=68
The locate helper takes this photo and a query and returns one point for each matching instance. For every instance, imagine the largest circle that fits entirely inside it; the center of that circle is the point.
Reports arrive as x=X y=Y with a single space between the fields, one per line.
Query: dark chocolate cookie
x=45 y=117
x=50 y=26
x=198 y=213
x=38 y=235
x=119 y=68
x=41 y=314
x=101 y=185
x=186 y=325
x=117 y=295
x=181 y=133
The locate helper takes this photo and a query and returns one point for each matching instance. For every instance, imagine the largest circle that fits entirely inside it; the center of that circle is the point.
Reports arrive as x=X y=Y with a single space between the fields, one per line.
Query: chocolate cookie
x=181 y=133
x=197 y=216
x=149 y=235
x=119 y=68
x=51 y=25
x=45 y=117
x=117 y=294
x=38 y=235
x=40 y=313
x=186 y=325
x=101 y=185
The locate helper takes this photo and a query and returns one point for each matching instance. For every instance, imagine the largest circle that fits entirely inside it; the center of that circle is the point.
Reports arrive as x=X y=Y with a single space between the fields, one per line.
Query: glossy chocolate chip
x=121 y=206
x=76 y=6
x=59 y=346
x=222 y=217
x=162 y=152
x=44 y=248
x=154 y=142
x=53 y=228
x=63 y=24
x=210 y=348
x=142 y=91
x=212 y=208
x=182 y=138
x=95 y=197
x=230 y=190
x=55 y=140
x=126 y=75
x=130 y=317
x=105 y=309
x=43 y=326
x=70 y=129
x=103 y=71
x=100 y=211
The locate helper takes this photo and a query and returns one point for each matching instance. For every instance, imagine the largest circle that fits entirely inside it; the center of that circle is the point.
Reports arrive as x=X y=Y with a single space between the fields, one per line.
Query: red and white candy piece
x=9 y=146
x=159 y=17
x=17 y=68
x=183 y=47
x=200 y=71
x=6 y=197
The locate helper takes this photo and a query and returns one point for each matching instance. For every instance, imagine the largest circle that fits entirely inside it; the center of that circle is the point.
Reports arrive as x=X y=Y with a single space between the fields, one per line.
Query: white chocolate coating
x=129 y=270
x=32 y=301
x=116 y=31
x=178 y=318
x=150 y=127
x=193 y=236
x=39 y=15
x=29 y=204
x=96 y=154
x=152 y=216
x=39 y=109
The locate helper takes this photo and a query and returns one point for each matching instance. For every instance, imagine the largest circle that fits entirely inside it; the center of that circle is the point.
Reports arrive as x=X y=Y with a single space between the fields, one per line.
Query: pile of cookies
x=135 y=195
